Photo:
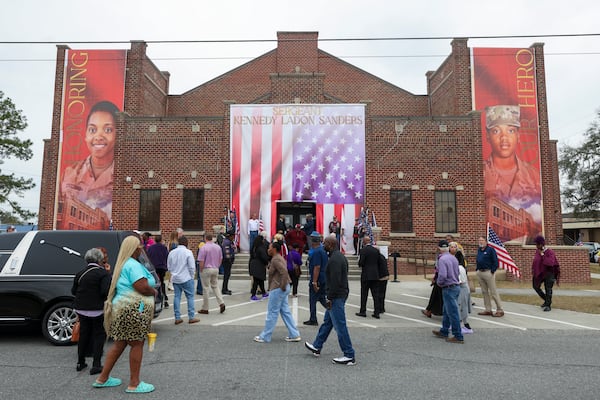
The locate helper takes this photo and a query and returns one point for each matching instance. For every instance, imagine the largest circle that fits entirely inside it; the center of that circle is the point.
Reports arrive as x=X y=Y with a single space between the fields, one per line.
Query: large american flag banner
x=297 y=153
x=505 y=261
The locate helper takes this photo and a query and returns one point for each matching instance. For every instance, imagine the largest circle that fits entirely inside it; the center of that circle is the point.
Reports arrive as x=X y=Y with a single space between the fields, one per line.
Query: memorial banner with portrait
x=505 y=91
x=93 y=94
x=298 y=153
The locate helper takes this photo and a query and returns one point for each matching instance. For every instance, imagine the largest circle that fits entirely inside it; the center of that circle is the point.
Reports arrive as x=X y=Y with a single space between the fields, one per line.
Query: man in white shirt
x=182 y=266
x=253 y=226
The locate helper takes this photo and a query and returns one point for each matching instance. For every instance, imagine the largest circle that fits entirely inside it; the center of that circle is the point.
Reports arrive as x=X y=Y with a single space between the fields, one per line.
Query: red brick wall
x=51 y=149
x=413 y=156
x=574 y=262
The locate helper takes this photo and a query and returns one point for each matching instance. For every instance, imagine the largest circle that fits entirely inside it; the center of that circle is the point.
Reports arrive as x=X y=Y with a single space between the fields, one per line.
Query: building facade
x=423 y=159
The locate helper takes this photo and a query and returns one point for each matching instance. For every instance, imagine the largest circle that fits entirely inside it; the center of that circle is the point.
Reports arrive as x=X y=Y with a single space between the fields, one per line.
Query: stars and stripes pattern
x=261 y=224
x=505 y=261
x=309 y=153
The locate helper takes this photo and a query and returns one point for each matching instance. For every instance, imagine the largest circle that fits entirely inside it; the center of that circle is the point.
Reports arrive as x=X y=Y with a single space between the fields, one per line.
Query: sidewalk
x=583 y=292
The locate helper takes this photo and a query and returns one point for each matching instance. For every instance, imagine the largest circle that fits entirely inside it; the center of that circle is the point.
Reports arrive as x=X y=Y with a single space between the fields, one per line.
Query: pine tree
x=12 y=121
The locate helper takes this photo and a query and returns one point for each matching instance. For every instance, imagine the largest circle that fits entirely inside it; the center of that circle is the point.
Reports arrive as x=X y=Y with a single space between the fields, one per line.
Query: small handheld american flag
x=505 y=261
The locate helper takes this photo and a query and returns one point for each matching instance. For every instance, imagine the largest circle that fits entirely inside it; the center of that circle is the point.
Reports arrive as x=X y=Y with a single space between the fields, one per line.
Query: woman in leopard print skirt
x=128 y=313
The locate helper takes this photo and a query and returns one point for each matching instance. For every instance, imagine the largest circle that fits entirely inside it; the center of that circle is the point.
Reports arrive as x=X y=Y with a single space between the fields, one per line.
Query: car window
x=8 y=242
x=53 y=252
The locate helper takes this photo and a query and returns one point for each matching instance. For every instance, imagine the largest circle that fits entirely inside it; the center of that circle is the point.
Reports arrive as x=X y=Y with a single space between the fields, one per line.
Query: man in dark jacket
x=228 y=259
x=369 y=278
x=158 y=253
x=317 y=280
x=487 y=264
x=335 y=316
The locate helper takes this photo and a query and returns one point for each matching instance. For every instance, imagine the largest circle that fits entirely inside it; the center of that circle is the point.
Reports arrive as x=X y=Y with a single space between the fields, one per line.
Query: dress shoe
x=95 y=370
x=426 y=313
x=203 y=312
x=312 y=323
x=375 y=316
x=499 y=313
x=193 y=320
x=547 y=308
x=222 y=308
x=485 y=313
x=227 y=292
x=81 y=366
x=455 y=340
x=439 y=334
x=178 y=321
x=361 y=314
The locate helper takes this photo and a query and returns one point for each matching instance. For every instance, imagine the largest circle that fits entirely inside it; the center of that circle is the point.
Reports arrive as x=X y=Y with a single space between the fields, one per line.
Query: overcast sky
x=27 y=70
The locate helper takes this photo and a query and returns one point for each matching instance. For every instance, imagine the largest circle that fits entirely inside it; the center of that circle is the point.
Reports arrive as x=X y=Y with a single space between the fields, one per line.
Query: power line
x=359 y=39
x=243 y=58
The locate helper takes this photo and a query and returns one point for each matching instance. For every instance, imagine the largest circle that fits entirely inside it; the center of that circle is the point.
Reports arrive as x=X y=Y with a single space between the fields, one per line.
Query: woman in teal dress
x=128 y=312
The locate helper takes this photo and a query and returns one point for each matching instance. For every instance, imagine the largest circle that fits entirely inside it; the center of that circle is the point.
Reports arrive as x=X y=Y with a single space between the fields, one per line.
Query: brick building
x=172 y=153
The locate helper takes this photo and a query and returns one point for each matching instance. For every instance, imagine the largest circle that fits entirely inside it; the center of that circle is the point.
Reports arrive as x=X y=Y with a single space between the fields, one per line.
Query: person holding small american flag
x=487 y=264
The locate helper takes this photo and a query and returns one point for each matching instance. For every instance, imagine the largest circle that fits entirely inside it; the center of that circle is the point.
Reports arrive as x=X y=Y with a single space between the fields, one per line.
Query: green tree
x=12 y=121
x=581 y=167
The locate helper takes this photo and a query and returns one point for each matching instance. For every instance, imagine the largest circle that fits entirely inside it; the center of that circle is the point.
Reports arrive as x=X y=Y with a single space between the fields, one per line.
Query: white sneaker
x=258 y=339
x=293 y=339
x=344 y=360
x=316 y=352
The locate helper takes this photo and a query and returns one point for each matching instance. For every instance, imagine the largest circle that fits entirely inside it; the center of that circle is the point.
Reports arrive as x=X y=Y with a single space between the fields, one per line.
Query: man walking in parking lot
x=447 y=279
x=210 y=258
x=546 y=270
x=182 y=266
x=335 y=316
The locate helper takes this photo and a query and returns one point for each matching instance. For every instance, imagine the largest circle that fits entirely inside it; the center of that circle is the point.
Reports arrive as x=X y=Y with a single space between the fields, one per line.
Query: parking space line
x=553 y=320
x=230 y=321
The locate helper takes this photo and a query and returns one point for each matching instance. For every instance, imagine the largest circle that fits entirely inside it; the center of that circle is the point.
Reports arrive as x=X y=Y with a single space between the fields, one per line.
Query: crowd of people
x=118 y=302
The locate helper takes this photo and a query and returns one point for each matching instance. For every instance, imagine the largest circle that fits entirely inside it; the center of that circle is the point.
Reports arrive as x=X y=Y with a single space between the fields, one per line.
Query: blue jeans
x=335 y=318
x=451 y=315
x=188 y=289
x=253 y=235
x=313 y=297
x=278 y=304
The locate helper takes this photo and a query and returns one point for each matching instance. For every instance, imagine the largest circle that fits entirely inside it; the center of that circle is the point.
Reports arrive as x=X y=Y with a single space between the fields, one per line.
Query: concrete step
x=239 y=269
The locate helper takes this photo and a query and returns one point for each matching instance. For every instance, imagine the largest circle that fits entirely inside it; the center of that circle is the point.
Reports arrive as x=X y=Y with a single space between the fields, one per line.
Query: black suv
x=36 y=275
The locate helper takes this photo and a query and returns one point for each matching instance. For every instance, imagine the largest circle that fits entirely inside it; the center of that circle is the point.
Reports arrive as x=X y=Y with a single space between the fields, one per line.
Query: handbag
x=75 y=332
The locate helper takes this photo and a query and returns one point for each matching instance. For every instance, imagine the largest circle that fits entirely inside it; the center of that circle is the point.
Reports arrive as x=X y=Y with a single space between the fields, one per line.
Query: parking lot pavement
x=404 y=300
x=397 y=356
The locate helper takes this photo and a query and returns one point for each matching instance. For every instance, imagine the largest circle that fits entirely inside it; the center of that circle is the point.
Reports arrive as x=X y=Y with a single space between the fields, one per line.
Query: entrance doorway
x=295 y=213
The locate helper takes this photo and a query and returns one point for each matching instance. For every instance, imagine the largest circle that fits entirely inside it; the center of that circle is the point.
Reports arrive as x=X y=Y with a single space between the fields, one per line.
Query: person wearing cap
x=90 y=181
x=545 y=268
x=487 y=264
x=297 y=235
x=10 y=229
x=317 y=263
x=448 y=280
x=507 y=176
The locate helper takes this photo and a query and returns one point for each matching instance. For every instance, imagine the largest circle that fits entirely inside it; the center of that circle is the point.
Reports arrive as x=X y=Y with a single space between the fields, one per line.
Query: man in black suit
x=369 y=278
